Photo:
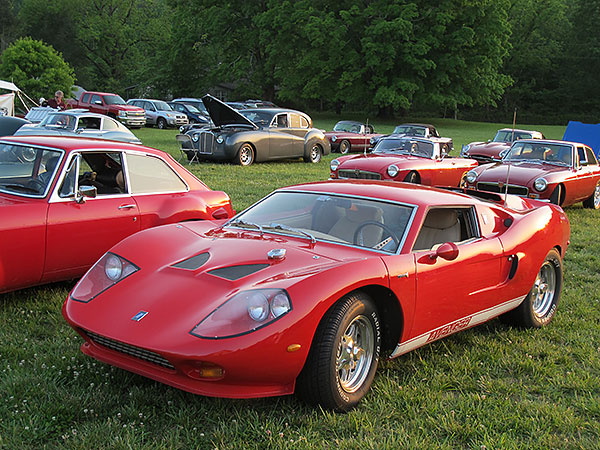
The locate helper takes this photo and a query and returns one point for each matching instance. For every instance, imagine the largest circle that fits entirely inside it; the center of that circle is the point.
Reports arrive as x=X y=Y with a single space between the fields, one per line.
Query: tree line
x=476 y=59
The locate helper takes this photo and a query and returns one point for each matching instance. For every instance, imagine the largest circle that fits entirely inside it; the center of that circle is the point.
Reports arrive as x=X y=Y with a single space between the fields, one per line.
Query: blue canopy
x=586 y=133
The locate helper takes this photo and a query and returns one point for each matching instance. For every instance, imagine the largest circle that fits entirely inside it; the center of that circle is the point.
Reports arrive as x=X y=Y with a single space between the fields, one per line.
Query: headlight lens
x=393 y=170
x=333 y=165
x=244 y=313
x=333 y=138
x=220 y=139
x=122 y=113
x=195 y=137
x=471 y=177
x=108 y=271
x=464 y=150
x=540 y=184
x=181 y=129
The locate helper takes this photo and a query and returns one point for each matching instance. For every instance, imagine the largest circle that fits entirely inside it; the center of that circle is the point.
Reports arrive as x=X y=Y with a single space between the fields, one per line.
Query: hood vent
x=194 y=262
x=233 y=273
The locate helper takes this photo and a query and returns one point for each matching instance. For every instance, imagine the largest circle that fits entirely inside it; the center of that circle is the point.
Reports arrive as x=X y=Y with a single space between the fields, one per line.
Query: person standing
x=57 y=101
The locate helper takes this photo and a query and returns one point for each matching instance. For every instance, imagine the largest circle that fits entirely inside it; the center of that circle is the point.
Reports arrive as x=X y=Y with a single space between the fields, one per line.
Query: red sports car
x=350 y=136
x=490 y=151
x=65 y=201
x=401 y=158
x=562 y=172
x=304 y=290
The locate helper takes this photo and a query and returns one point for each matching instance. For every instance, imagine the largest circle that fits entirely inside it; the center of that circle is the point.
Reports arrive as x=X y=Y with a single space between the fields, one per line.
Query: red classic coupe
x=65 y=201
x=562 y=172
x=402 y=158
x=490 y=151
x=350 y=136
x=304 y=290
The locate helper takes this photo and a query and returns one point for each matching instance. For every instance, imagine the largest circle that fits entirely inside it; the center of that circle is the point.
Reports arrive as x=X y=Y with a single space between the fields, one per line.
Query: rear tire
x=343 y=357
x=539 y=307
x=593 y=202
x=161 y=123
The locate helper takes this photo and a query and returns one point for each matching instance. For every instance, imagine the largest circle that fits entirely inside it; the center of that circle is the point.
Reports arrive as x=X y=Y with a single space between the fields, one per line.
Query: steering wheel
x=359 y=229
x=37 y=185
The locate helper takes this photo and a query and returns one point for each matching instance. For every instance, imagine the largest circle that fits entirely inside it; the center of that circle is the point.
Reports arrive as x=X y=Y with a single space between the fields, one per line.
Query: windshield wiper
x=242 y=223
x=279 y=226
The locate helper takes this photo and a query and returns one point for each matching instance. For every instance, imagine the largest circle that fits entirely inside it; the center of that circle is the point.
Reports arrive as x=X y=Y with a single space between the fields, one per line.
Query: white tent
x=7 y=101
x=9 y=86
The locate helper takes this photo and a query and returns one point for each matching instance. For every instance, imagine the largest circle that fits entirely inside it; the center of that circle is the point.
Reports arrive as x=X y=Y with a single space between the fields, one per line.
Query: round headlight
x=372 y=140
x=471 y=177
x=258 y=307
x=392 y=170
x=113 y=268
x=464 y=151
x=280 y=304
x=540 y=184
x=220 y=139
x=333 y=138
x=181 y=129
x=195 y=137
x=333 y=165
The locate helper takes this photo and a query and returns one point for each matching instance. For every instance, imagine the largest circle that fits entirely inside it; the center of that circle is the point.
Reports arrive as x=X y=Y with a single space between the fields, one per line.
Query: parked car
x=562 y=172
x=402 y=158
x=66 y=201
x=420 y=130
x=255 y=135
x=259 y=104
x=9 y=125
x=351 y=136
x=80 y=122
x=159 y=113
x=195 y=102
x=111 y=105
x=490 y=151
x=305 y=290
x=193 y=114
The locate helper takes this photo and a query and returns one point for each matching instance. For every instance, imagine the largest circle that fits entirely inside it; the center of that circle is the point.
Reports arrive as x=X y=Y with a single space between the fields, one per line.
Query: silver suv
x=159 y=113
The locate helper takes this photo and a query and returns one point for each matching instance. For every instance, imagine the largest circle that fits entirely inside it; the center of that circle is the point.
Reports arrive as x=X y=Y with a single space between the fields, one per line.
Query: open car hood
x=222 y=114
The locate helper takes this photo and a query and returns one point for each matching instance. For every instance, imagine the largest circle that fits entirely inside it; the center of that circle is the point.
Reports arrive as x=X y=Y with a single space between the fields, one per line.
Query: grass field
x=490 y=387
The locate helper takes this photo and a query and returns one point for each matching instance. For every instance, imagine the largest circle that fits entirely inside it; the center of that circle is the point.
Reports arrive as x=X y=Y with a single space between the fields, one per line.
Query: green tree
x=36 y=68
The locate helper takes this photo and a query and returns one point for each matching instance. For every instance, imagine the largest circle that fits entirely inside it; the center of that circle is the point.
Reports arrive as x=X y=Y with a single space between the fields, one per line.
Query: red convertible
x=303 y=291
x=562 y=172
x=350 y=136
x=401 y=158
x=65 y=201
x=493 y=150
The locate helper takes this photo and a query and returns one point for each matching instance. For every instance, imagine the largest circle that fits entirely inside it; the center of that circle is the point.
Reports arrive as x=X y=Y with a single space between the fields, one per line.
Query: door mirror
x=447 y=251
x=98 y=102
x=85 y=191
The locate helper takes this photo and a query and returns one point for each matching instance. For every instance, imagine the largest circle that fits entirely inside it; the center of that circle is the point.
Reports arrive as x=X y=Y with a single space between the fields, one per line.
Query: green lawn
x=490 y=387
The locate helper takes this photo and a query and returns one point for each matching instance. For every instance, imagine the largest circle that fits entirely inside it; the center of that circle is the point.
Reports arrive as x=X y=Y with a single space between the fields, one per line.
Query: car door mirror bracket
x=85 y=191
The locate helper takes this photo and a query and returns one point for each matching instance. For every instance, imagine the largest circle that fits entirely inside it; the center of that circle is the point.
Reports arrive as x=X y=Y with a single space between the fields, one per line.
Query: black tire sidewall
x=341 y=148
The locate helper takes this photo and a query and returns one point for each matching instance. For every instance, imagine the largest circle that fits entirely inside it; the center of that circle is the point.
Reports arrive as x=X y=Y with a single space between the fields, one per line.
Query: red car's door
x=588 y=174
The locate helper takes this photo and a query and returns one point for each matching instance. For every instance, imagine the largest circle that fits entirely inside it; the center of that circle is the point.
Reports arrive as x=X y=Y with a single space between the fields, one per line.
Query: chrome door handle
x=132 y=205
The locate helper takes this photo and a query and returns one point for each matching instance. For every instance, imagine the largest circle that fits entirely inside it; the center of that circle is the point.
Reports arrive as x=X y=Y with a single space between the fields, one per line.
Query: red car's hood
x=375 y=162
x=491 y=149
x=177 y=299
x=521 y=173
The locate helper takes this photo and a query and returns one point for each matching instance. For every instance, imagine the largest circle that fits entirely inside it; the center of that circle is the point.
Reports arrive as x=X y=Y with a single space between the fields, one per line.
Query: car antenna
x=366 y=129
x=512 y=138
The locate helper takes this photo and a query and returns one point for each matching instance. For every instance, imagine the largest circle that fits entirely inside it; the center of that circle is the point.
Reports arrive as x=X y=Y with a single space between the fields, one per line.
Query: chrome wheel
x=344 y=146
x=355 y=354
x=315 y=154
x=245 y=156
x=597 y=197
x=544 y=289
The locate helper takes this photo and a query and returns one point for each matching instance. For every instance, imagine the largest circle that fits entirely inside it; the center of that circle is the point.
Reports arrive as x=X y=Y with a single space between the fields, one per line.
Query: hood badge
x=276 y=253
x=139 y=316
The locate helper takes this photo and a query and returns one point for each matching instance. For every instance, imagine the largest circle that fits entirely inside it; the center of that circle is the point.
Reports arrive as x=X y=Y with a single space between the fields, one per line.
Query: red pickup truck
x=111 y=105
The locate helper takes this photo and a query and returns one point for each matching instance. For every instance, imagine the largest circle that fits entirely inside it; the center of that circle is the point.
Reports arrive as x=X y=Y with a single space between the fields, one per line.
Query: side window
x=149 y=174
x=110 y=124
x=89 y=123
x=67 y=189
x=104 y=170
x=294 y=121
x=85 y=98
x=304 y=123
x=96 y=98
x=150 y=106
x=281 y=121
x=446 y=225
x=591 y=158
x=370 y=129
x=582 y=156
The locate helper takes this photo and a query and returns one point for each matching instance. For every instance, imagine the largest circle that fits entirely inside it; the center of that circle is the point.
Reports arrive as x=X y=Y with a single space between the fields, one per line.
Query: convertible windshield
x=405 y=146
x=324 y=217
x=114 y=100
x=347 y=127
x=26 y=170
x=66 y=121
x=508 y=136
x=411 y=130
x=543 y=152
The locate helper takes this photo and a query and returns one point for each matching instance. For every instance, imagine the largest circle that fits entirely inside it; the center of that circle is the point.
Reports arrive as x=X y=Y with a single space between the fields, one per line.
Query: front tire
x=555 y=197
x=412 y=177
x=345 y=147
x=245 y=155
x=539 y=307
x=593 y=202
x=343 y=357
x=161 y=123
x=314 y=155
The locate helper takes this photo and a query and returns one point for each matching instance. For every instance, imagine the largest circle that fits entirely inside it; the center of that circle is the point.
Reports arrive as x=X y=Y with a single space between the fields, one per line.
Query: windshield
x=114 y=100
x=324 y=217
x=26 y=170
x=162 y=106
x=348 y=127
x=411 y=130
x=507 y=136
x=405 y=146
x=257 y=116
x=192 y=109
x=66 y=121
x=544 y=152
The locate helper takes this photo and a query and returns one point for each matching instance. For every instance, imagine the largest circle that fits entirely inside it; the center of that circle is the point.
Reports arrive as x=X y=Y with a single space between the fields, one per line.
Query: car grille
x=359 y=174
x=135 y=113
x=206 y=143
x=495 y=187
x=130 y=350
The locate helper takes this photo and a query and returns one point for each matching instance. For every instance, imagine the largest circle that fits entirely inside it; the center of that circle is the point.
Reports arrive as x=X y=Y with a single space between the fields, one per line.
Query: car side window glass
x=89 y=123
x=149 y=174
x=582 y=156
x=303 y=122
x=294 y=121
x=85 y=98
x=104 y=170
x=96 y=98
x=110 y=124
x=281 y=121
x=446 y=225
x=591 y=158
x=69 y=184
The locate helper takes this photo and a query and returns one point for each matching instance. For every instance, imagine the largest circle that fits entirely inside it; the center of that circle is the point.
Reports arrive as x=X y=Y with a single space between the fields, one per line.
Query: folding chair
x=186 y=147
